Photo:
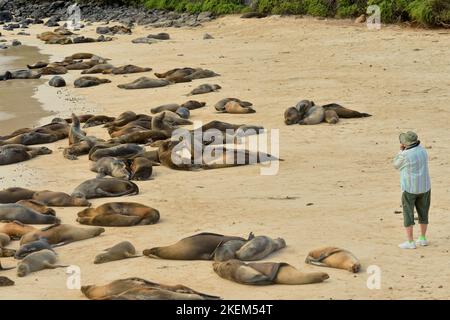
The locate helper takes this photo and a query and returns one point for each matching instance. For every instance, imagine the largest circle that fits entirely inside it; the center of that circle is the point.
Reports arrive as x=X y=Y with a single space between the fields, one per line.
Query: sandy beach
x=336 y=187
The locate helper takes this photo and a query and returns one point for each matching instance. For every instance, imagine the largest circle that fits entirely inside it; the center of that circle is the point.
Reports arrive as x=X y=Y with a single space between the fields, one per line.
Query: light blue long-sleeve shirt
x=413 y=166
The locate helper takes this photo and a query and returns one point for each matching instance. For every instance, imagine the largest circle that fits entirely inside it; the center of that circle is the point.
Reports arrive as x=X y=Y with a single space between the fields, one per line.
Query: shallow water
x=18 y=108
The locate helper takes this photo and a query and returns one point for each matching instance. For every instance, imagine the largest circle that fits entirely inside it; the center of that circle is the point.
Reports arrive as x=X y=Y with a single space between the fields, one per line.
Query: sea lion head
x=22 y=270
x=303 y=107
x=281 y=243
x=225 y=268
x=291 y=116
x=152 y=253
x=119 y=170
x=101 y=258
x=98 y=231
x=45 y=150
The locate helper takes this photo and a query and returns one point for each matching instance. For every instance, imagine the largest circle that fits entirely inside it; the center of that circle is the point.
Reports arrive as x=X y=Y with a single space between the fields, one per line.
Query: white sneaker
x=407 y=245
x=422 y=243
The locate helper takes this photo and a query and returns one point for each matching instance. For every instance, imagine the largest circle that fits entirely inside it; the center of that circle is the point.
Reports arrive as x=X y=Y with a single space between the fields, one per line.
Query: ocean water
x=18 y=108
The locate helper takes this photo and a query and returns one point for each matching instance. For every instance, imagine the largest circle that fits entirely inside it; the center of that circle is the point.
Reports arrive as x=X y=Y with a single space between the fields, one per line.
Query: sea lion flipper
x=54 y=266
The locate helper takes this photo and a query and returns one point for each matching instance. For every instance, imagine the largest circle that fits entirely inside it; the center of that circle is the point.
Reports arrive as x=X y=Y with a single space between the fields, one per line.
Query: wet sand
x=336 y=187
x=18 y=106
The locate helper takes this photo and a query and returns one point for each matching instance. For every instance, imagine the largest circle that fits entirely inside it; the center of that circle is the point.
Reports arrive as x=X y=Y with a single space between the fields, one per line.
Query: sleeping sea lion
x=144 y=83
x=110 y=166
x=265 y=273
x=105 y=187
x=15 y=230
x=120 y=251
x=234 y=107
x=334 y=258
x=97 y=120
x=122 y=151
x=16 y=212
x=87 y=81
x=37 y=261
x=37 y=65
x=331 y=116
x=35 y=246
x=198 y=247
x=59 y=199
x=61 y=234
x=98 y=68
x=259 y=247
x=220 y=106
x=37 y=206
x=141 y=168
x=127 y=69
x=12 y=195
x=205 y=88
x=14 y=153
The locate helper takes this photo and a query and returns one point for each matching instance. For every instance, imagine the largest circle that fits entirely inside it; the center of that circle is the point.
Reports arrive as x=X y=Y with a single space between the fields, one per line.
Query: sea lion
x=37 y=261
x=197 y=247
x=81 y=56
x=122 y=151
x=227 y=250
x=159 y=36
x=234 y=107
x=314 y=115
x=144 y=83
x=220 y=106
x=98 y=68
x=37 y=206
x=176 y=75
x=25 y=74
x=259 y=247
x=59 y=199
x=127 y=69
x=205 y=88
x=32 y=138
x=141 y=137
x=265 y=273
x=173 y=119
x=120 y=251
x=80 y=148
x=291 y=116
x=140 y=289
x=14 y=153
x=80 y=65
x=334 y=258
x=110 y=166
x=86 y=81
x=141 y=169
x=344 y=112
x=53 y=70
x=12 y=195
x=4 y=239
x=61 y=234
x=183 y=112
x=129 y=128
x=37 y=65
x=192 y=105
x=5 y=281
x=119 y=214
x=200 y=73
x=331 y=116
x=16 y=212
x=105 y=187
x=15 y=230
x=97 y=121
x=166 y=107
x=35 y=246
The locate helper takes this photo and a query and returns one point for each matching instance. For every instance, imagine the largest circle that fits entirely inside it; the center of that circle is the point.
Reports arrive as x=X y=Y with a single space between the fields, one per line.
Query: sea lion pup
x=127 y=69
x=53 y=70
x=121 y=151
x=119 y=214
x=197 y=247
x=141 y=169
x=220 y=106
x=80 y=148
x=331 y=117
x=15 y=230
x=144 y=83
x=86 y=81
x=234 y=107
x=344 y=112
x=35 y=246
x=312 y=116
x=12 y=195
x=205 y=88
x=173 y=119
x=59 y=199
x=291 y=116
x=37 y=65
x=140 y=289
x=98 y=68
x=14 y=153
x=31 y=138
x=259 y=247
x=97 y=121
x=61 y=234
x=265 y=273
x=25 y=74
x=110 y=166
x=120 y=251
x=37 y=206
x=17 y=212
x=227 y=250
x=141 y=137
x=37 y=261
x=105 y=187
x=334 y=258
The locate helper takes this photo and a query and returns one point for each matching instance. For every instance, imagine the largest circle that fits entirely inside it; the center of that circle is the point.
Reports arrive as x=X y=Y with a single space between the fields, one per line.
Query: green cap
x=408 y=138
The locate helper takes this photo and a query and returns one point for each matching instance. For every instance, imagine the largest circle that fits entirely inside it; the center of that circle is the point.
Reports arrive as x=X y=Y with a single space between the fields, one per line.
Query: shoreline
x=344 y=170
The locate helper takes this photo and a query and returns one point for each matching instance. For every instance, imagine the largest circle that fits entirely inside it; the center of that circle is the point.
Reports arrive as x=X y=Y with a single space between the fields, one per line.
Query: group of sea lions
x=63 y=36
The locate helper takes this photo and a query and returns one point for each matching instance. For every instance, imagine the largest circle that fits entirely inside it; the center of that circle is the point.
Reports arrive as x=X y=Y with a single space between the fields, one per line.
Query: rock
x=251 y=15
x=205 y=16
x=53 y=22
x=5 y=282
x=6 y=16
x=57 y=82
x=15 y=43
x=3 y=46
x=83 y=39
x=207 y=36
x=144 y=40
x=361 y=19
x=22 y=33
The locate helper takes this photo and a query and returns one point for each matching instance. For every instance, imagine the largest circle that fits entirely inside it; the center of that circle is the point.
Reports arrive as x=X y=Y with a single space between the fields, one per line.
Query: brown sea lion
x=205 y=88
x=259 y=247
x=37 y=65
x=37 y=261
x=220 y=106
x=122 y=119
x=141 y=137
x=120 y=251
x=296 y=113
x=227 y=251
x=144 y=83
x=127 y=69
x=97 y=121
x=344 y=112
x=119 y=214
x=141 y=168
x=234 y=107
x=122 y=151
x=32 y=138
x=166 y=107
x=80 y=148
x=331 y=117
x=14 y=153
x=80 y=65
x=59 y=199
x=81 y=56
x=105 y=187
x=12 y=195
x=127 y=130
x=265 y=273
x=15 y=229
x=334 y=258
x=4 y=239
x=110 y=166
x=98 y=68
x=83 y=118
x=37 y=206
x=53 y=70
x=87 y=81
x=16 y=212
x=198 y=247
x=176 y=75
x=140 y=289
x=61 y=234
x=314 y=115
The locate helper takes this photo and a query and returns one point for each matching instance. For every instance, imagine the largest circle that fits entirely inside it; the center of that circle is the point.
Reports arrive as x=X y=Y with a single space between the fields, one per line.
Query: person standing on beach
x=412 y=161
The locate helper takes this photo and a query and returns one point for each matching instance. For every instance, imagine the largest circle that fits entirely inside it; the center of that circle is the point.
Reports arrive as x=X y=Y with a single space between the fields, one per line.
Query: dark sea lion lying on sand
x=15 y=153
x=17 y=212
x=105 y=187
x=334 y=258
